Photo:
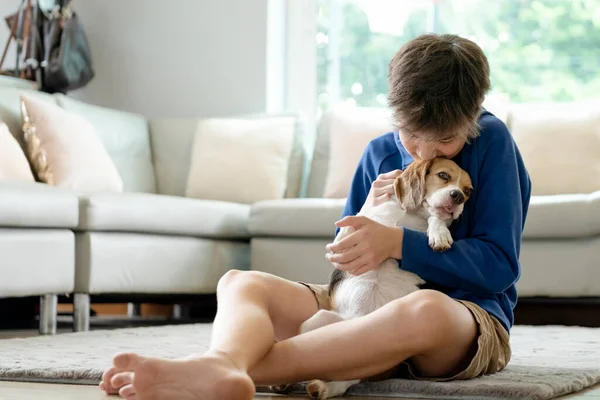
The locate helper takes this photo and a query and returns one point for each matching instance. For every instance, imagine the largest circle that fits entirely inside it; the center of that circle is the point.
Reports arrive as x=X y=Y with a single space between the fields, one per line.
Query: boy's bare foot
x=113 y=380
x=209 y=377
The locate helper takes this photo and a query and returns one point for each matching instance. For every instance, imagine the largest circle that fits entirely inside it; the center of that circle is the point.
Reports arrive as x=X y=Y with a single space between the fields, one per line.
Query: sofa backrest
x=559 y=143
x=342 y=135
x=124 y=135
x=172 y=141
x=126 y=138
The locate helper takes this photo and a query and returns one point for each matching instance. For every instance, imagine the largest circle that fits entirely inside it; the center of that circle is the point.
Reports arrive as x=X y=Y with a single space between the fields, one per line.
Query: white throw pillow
x=350 y=131
x=64 y=150
x=560 y=145
x=241 y=160
x=13 y=163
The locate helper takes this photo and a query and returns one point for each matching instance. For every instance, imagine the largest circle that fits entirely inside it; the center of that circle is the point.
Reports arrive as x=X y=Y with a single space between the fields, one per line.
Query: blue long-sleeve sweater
x=483 y=264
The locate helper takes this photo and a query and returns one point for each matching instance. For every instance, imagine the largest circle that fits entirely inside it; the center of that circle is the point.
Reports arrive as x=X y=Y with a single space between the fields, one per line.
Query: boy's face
x=426 y=150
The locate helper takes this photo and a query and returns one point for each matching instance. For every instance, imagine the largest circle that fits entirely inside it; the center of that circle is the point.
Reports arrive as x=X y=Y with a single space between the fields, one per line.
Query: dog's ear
x=410 y=185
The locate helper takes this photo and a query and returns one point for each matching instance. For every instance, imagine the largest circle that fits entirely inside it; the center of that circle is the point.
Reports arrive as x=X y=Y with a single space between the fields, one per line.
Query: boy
x=460 y=330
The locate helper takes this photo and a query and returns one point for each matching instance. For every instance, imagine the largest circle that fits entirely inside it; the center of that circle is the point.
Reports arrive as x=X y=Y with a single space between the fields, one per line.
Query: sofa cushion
x=36 y=261
x=563 y=216
x=120 y=262
x=64 y=150
x=126 y=139
x=172 y=141
x=10 y=108
x=240 y=160
x=350 y=131
x=560 y=145
x=342 y=135
x=13 y=162
x=549 y=217
x=152 y=213
x=37 y=205
x=296 y=217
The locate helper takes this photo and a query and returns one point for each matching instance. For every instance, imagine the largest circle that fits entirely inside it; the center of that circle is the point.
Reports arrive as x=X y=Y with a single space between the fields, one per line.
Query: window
x=539 y=50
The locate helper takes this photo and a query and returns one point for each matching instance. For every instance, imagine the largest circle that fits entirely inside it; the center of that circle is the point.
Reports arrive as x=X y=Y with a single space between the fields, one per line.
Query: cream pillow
x=13 y=163
x=560 y=145
x=350 y=131
x=64 y=149
x=240 y=160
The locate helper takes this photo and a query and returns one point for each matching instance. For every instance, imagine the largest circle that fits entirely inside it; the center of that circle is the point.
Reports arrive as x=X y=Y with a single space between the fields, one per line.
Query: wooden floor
x=31 y=391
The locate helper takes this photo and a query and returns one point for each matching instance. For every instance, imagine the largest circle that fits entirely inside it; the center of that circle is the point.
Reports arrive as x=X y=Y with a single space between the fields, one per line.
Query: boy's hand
x=367 y=247
x=382 y=189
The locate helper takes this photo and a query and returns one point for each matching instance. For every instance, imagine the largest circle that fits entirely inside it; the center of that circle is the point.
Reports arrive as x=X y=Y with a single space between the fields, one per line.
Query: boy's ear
x=410 y=185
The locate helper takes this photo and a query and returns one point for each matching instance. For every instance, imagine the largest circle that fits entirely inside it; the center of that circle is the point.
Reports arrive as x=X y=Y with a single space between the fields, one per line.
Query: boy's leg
x=259 y=309
x=436 y=332
x=254 y=310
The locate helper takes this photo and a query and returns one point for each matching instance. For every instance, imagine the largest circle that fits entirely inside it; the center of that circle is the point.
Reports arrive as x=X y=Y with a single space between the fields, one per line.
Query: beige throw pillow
x=64 y=149
x=13 y=163
x=240 y=160
x=350 y=131
x=560 y=145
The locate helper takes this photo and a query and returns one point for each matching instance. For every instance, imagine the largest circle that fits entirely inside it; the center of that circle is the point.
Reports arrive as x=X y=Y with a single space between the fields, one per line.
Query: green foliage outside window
x=539 y=50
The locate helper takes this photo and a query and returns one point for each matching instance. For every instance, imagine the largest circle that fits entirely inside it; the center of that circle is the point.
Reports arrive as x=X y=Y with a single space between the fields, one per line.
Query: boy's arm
x=361 y=185
x=488 y=260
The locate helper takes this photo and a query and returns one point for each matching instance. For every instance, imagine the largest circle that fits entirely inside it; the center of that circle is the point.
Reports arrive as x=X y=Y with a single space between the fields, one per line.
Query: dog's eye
x=468 y=192
x=444 y=176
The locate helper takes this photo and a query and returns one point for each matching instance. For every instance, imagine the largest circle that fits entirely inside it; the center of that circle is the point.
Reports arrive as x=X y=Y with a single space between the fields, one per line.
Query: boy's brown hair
x=437 y=84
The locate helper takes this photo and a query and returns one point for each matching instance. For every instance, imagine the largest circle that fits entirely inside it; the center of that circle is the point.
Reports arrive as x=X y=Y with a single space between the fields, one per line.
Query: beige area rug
x=547 y=361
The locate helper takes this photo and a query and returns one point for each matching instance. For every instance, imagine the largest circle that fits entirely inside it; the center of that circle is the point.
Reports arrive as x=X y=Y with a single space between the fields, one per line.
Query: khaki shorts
x=493 y=346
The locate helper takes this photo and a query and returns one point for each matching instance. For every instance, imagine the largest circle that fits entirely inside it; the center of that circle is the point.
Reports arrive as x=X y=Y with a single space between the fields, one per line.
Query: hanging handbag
x=67 y=62
x=52 y=48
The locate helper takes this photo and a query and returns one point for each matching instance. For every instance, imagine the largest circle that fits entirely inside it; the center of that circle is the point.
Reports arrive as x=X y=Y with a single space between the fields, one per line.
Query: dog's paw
x=440 y=239
x=318 y=390
x=281 y=389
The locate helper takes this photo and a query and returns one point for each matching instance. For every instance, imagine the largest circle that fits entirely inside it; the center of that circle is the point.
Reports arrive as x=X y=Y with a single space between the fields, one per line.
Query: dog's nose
x=457 y=196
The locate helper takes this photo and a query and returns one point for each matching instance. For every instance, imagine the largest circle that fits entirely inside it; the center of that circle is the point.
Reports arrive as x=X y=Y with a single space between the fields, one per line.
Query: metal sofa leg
x=134 y=310
x=48 y=314
x=81 y=312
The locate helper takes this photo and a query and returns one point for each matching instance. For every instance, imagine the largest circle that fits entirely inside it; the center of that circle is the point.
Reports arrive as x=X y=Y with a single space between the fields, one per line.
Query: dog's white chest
x=391 y=214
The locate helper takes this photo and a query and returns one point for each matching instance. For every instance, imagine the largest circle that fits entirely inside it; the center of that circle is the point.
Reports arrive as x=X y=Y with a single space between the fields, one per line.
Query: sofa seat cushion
x=549 y=217
x=563 y=216
x=153 y=213
x=312 y=217
x=37 y=205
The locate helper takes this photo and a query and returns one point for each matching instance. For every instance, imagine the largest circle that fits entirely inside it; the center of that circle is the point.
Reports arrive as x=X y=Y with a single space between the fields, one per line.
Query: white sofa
x=150 y=239
x=561 y=239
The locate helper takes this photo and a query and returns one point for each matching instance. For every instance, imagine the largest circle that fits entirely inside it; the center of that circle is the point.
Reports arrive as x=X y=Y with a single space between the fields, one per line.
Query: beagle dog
x=429 y=195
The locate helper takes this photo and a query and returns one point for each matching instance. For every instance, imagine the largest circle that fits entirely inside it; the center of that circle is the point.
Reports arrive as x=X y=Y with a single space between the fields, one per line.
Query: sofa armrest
x=314 y=217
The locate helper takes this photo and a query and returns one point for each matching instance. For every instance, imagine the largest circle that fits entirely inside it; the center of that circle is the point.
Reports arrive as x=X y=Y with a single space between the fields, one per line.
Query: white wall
x=176 y=58
x=7 y=7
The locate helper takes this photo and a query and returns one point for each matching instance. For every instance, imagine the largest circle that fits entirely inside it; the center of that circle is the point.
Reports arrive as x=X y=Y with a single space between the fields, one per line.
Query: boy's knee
x=240 y=279
x=429 y=313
